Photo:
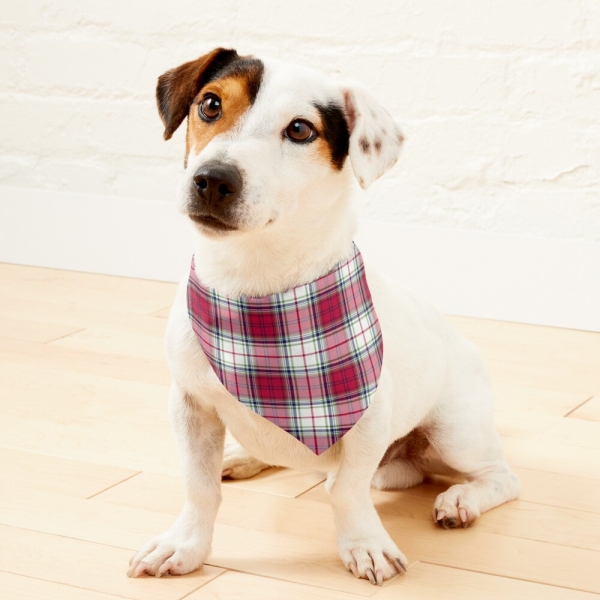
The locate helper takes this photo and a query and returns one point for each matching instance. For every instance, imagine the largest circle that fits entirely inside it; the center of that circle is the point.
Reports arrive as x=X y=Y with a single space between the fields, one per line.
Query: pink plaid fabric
x=308 y=359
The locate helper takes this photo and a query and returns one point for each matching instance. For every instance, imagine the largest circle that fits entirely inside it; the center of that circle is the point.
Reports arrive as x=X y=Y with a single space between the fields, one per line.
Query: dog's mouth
x=211 y=222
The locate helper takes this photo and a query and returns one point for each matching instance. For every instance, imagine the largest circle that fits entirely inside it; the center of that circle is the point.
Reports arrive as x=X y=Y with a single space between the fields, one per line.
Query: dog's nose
x=216 y=182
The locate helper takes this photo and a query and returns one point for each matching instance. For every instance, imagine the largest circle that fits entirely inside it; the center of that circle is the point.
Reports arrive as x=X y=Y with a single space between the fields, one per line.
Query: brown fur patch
x=365 y=145
x=235 y=98
x=377 y=145
x=177 y=88
x=411 y=447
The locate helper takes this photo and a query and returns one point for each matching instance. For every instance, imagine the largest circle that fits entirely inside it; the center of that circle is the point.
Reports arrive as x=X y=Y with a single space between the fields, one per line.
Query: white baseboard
x=515 y=278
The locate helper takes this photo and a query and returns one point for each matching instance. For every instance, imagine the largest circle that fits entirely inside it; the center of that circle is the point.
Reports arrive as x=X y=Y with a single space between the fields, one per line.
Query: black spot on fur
x=335 y=132
x=365 y=145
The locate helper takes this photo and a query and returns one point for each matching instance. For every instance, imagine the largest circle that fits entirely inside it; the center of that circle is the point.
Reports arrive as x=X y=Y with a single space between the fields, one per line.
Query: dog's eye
x=300 y=130
x=210 y=108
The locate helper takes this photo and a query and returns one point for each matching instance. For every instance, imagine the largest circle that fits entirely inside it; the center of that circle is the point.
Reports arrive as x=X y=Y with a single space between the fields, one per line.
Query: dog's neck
x=295 y=251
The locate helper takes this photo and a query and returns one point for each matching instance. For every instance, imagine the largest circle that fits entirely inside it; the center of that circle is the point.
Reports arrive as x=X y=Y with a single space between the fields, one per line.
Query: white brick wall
x=500 y=99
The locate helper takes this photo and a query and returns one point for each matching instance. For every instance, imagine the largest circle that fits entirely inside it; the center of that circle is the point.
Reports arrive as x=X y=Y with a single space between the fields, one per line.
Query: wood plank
x=76 y=316
x=106 y=420
x=551 y=456
x=72 y=288
x=62 y=395
x=573 y=432
x=104 y=339
x=520 y=519
x=399 y=510
x=590 y=411
x=87 y=565
x=425 y=581
x=295 y=558
x=163 y=493
x=498 y=335
x=18 y=587
x=250 y=587
x=521 y=411
x=555 y=489
x=96 y=418
x=82 y=361
x=121 y=443
x=564 y=526
x=33 y=331
x=48 y=473
x=99 y=395
x=282 y=482
x=529 y=520
x=535 y=356
x=480 y=548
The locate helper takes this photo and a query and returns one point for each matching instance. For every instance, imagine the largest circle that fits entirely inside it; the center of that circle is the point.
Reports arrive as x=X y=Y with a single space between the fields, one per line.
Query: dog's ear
x=177 y=88
x=375 y=138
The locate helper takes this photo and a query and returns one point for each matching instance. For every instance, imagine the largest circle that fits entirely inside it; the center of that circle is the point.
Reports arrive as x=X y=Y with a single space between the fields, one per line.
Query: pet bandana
x=308 y=359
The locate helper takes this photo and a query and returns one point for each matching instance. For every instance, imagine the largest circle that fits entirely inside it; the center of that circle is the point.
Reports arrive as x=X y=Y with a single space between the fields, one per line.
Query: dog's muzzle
x=216 y=187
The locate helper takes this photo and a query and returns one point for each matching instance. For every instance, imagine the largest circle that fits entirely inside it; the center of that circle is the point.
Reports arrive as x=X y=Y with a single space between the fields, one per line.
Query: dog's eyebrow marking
x=334 y=131
x=237 y=85
x=365 y=145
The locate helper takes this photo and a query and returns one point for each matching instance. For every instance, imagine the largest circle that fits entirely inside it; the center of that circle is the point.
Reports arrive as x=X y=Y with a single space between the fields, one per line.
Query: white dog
x=266 y=186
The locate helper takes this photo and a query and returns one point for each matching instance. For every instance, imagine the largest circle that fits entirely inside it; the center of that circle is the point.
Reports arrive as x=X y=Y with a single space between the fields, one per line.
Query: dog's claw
x=439 y=515
x=379 y=577
x=399 y=566
x=354 y=569
x=371 y=576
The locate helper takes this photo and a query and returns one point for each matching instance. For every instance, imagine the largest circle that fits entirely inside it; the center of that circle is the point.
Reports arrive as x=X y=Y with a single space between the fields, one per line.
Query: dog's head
x=265 y=138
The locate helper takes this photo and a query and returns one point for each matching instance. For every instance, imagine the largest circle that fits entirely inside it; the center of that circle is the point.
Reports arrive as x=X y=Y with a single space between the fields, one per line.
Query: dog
x=271 y=150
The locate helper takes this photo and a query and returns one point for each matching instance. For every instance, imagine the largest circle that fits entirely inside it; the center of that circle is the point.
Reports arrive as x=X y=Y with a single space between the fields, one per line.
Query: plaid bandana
x=308 y=359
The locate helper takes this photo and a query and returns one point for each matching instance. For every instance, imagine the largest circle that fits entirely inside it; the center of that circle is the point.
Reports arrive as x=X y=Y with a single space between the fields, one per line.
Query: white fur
x=295 y=224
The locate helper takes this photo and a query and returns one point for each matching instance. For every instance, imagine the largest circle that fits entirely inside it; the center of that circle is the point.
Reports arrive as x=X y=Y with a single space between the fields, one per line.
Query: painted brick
x=499 y=100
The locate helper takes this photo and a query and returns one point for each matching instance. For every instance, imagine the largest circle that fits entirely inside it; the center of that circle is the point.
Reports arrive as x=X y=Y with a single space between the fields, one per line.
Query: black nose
x=218 y=183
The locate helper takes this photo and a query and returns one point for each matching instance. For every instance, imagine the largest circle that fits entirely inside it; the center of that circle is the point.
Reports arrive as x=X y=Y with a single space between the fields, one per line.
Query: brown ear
x=177 y=88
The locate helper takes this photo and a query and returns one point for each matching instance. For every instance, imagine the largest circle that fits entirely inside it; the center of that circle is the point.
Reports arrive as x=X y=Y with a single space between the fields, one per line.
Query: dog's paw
x=372 y=559
x=170 y=554
x=238 y=464
x=456 y=507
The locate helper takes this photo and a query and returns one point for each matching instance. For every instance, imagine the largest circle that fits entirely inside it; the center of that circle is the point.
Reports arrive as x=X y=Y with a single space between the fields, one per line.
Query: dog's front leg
x=184 y=547
x=365 y=546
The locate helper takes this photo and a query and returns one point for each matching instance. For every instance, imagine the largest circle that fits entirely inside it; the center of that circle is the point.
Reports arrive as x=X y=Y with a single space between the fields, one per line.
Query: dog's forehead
x=294 y=89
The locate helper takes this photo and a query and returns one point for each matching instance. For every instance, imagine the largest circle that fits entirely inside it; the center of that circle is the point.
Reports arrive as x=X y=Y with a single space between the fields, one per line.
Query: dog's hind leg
x=470 y=444
x=399 y=467
x=238 y=464
x=398 y=474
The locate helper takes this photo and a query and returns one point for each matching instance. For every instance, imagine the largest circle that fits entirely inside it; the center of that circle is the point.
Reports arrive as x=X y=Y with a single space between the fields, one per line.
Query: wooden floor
x=89 y=470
